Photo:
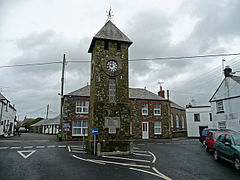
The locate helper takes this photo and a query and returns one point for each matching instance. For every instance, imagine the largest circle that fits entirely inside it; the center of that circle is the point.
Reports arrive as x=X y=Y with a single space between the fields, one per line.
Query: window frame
x=219 y=106
x=80 y=127
x=183 y=122
x=177 y=121
x=82 y=107
x=145 y=108
x=196 y=115
x=160 y=109
x=158 y=127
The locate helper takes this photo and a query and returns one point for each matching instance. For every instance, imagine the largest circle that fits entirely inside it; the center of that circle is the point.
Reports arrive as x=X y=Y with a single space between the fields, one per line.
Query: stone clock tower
x=109 y=91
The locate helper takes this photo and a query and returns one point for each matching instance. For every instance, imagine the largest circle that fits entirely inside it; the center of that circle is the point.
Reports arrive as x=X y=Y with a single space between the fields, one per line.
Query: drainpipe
x=169 y=115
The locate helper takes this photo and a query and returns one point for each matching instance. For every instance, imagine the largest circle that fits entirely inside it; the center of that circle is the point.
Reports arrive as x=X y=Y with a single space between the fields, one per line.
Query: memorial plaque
x=112 y=122
x=112 y=131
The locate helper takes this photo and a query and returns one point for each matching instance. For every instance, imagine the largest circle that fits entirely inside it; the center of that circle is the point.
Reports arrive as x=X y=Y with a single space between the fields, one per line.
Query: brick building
x=148 y=115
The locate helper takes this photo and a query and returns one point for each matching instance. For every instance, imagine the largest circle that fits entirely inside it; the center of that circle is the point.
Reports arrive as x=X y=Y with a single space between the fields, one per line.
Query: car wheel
x=215 y=155
x=237 y=163
x=206 y=148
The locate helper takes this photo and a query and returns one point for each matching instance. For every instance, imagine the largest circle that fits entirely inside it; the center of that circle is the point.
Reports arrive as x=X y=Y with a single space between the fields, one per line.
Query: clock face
x=112 y=65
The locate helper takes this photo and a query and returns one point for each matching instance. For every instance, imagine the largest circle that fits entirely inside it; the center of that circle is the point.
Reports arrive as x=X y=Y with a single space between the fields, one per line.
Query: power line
x=31 y=64
x=131 y=60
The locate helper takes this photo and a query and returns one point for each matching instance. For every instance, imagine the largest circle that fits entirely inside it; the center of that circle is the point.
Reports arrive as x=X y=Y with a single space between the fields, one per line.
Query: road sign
x=94 y=131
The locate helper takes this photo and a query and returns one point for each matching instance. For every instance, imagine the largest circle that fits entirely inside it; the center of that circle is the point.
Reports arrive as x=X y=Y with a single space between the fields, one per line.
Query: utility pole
x=62 y=85
x=47 y=111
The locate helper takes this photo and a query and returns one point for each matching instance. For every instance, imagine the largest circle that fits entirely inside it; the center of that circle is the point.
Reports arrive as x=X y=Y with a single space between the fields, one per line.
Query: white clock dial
x=112 y=65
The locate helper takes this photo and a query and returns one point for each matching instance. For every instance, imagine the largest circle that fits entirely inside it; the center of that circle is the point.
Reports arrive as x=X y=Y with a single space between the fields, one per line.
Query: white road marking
x=18 y=147
x=62 y=146
x=141 y=170
x=154 y=157
x=87 y=160
x=26 y=147
x=83 y=152
x=159 y=143
x=140 y=151
x=135 y=148
x=137 y=154
x=51 y=146
x=162 y=175
x=123 y=164
x=26 y=156
x=3 y=147
x=76 y=146
x=69 y=150
x=168 y=143
x=115 y=157
x=40 y=147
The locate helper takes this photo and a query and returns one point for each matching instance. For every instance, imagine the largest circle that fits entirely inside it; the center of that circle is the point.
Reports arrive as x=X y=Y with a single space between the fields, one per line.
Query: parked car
x=227 y=147
x=211 y=138
x=204 y=133
x=22 y=129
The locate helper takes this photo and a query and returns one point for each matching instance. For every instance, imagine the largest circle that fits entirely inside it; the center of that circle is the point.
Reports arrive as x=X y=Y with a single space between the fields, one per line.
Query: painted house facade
x=225 y=102
x=7 y=117
x=149 y=115
x=198 y=118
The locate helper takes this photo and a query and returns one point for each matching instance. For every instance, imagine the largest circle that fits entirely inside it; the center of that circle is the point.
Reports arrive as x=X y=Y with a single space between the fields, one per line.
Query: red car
x=211 y=138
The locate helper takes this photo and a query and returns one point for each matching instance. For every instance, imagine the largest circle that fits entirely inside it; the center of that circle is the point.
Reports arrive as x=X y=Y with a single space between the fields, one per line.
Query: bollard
x=98 y=149
x=131 y=147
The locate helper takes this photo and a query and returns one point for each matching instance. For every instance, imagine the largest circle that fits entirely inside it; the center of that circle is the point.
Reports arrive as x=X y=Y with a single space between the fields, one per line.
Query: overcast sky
x=39 y=31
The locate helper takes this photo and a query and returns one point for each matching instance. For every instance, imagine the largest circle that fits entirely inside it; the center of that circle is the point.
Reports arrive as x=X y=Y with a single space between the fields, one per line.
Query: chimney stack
x=161 y=92
x=227 y=71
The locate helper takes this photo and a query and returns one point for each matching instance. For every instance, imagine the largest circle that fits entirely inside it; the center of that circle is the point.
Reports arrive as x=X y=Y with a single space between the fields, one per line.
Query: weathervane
x=109 y=15
x=160 y=83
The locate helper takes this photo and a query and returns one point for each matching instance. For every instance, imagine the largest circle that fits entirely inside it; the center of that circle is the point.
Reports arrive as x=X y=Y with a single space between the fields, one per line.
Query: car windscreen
x=217 y=134
x=236 y=138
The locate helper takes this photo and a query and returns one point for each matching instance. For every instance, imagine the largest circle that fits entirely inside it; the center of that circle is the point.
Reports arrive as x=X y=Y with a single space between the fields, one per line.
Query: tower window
x=106 y=47
x=112 y=90
x=118 y=46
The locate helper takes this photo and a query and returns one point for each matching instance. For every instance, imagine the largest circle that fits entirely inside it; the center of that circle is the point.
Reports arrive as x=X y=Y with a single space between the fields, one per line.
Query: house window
x=197 y=117
x=79 y=127
x=157 y=127
x=222 y=125
x=112 y=90
x=157 y=109
x=177 y=121
x=219 y=105
x=183 y=123
x=106 y=47
x=171 y=120
x=210 y=116
x=144 y=109
x=82 y=107
x=118 y=46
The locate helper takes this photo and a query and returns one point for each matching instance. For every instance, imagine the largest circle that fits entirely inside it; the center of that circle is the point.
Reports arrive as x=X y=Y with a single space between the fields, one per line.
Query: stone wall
x=179 y=132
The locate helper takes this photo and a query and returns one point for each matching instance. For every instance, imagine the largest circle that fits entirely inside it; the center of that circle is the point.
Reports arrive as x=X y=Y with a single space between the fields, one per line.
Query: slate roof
x=55 y=120
x=111 y=32
x=2 y=97
x=236 y=78
x=134 y=93
x=176 y=106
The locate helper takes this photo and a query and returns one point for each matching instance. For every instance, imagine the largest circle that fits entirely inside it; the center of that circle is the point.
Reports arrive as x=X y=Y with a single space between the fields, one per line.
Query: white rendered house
x=7 y=117
x=225 y=102
x=198 y=118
